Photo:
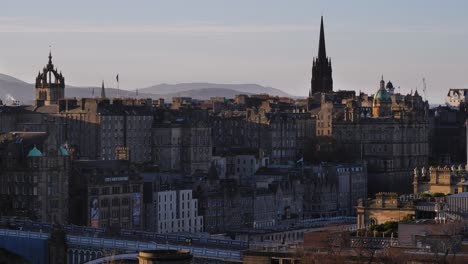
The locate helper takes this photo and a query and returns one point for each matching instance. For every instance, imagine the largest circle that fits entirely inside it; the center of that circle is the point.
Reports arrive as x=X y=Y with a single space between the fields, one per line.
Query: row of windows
x=180 y=223
x=172 y=216
x=13 y=189
x=115 y=202
x=116 y=190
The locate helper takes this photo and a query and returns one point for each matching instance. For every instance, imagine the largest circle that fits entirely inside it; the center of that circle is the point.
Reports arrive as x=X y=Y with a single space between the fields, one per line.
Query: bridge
x=28 y=239
x=32 y=246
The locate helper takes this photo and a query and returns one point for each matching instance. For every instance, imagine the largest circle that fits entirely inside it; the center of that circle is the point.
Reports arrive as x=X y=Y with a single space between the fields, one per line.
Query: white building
x=176 y=211
x=455 y=97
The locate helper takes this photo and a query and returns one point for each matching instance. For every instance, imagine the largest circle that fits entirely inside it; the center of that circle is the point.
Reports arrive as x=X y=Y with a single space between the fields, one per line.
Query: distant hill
x=15 y=89
x=240 y=88
x=205 y=93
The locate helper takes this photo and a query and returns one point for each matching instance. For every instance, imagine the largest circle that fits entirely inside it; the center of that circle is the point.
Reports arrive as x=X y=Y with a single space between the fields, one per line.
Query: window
x=115 y=190
x=105 y=191
x=104 y=203
x=115 y=213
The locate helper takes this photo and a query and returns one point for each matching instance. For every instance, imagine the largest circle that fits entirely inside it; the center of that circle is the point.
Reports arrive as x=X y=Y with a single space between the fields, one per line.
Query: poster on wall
x=136 y=209
x=94 y=212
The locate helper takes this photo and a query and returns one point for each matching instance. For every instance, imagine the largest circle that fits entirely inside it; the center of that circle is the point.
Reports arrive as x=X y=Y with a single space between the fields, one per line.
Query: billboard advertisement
x=136 y=209
x=94 y=212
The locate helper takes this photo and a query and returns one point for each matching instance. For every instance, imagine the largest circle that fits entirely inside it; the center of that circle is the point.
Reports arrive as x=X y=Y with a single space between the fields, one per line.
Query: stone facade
x=384 y=208
x=333 y=189
x=446 y=180
x=50 y=85
x=106 y=194
x=391 y=145
x=456 y=97
x=34 y=177
x=182 y=145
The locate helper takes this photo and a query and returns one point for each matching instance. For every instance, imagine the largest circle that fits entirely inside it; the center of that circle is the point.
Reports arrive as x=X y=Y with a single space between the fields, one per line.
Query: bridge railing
x=25 y=234
x=110 y=243
x=124 y=232
x=183 y=238
x=47 y=226
x=205 y=252
x=127 y=244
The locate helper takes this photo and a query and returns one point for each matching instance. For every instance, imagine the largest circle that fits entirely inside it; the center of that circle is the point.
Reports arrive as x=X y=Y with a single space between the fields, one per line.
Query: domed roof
x=34 y=152
x=63 y=151
x=383 y=96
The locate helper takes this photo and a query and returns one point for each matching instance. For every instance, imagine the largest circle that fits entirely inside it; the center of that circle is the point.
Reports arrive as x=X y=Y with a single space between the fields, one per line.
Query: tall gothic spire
x=322 y=53
x=103 y=91
x=322 y=81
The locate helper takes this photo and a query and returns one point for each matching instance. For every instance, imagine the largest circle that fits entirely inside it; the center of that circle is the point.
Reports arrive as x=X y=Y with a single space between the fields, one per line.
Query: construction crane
x=424 y=88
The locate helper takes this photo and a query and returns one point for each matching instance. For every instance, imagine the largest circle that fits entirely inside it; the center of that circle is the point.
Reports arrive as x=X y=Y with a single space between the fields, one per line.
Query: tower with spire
x=322 y=81
x=50 y=85
x=103 y=91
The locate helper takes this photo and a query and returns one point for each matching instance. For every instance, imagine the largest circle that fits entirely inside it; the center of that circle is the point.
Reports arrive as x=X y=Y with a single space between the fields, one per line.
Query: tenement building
x=34 y=176
x=107 y=194
x=182 y=144
x=389 y=131
x=94 y=127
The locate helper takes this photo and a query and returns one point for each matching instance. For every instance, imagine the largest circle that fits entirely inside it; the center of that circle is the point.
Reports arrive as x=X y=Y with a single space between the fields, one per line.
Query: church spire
x=322 y=81
x=50 y=66
x=103 y=91
x=322 y=53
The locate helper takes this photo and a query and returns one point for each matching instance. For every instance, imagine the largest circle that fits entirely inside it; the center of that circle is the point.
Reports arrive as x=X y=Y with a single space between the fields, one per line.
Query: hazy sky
x=266 y=42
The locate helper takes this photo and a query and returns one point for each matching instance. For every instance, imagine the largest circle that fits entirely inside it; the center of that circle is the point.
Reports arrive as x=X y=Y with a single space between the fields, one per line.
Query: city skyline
x=176 y=43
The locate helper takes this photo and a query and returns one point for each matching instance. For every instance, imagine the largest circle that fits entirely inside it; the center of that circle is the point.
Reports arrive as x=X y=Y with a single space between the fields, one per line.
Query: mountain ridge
x=12 y=88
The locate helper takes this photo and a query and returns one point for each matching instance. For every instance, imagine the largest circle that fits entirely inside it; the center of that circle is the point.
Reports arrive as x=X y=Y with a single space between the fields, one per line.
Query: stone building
x=34 y=177
x=446 y=180
x=229 y=131
x=106 y=194
x=333 y=189
x=281 y=136
x=456 y=97
x=94 y=127
x=276 y=132
x=123 y=125
x=182 y=145
x=264 y=257
x=384 y=208
x=447 y=137
x=225 y=206
x=392 y=143
x=176 y=211
x=242 y=166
